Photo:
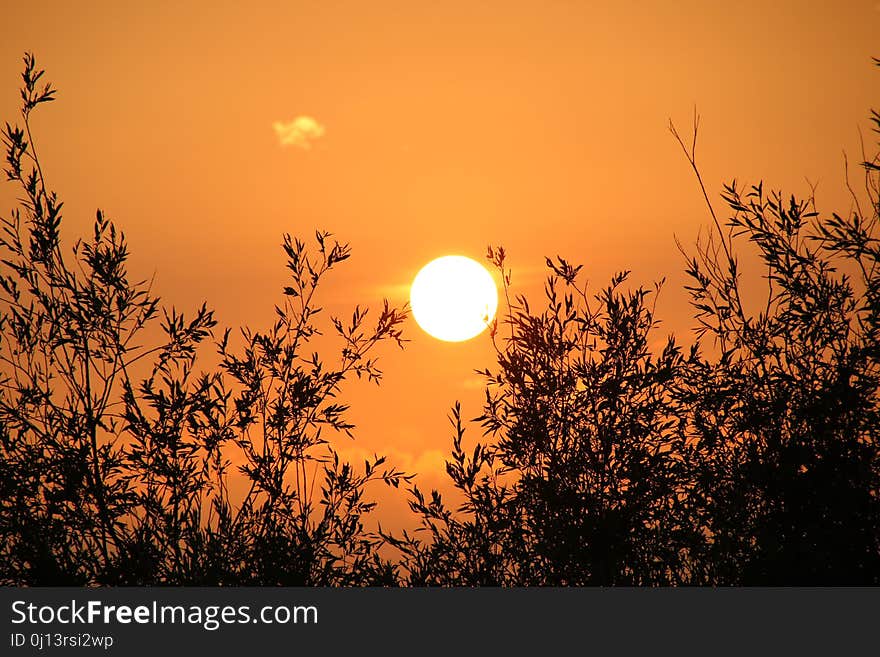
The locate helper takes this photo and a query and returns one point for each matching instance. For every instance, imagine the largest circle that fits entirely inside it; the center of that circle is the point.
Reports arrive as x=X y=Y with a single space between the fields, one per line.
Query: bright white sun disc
x=453 y=298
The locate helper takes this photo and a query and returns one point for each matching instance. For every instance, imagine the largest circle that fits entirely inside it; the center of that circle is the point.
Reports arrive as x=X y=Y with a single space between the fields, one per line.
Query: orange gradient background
x=449 y=126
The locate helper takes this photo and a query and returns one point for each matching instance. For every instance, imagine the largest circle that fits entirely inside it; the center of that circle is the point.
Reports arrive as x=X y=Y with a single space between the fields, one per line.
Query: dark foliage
x=753 y=458
x=584 y=482
x=784 y=401
x=114 y=456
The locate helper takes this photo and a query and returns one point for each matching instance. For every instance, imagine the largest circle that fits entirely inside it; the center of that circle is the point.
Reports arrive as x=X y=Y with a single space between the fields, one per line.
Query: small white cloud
x=300 y=132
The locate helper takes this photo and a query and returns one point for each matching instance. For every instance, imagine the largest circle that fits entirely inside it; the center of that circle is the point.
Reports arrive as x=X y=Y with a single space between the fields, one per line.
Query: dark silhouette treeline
x=751 y=457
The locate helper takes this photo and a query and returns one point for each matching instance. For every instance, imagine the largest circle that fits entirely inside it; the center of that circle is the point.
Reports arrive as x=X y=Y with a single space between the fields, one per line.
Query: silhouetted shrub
x=585 y=482
x=114 y=456
x=754 y=458
x=783 y=401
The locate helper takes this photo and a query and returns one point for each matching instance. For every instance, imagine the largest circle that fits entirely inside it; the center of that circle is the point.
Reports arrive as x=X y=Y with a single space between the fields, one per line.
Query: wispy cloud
x=474 y=383
x=300 y=132
x=396 y=292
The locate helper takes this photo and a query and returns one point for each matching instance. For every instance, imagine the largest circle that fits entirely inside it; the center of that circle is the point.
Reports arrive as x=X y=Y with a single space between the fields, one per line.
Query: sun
x=453 y=298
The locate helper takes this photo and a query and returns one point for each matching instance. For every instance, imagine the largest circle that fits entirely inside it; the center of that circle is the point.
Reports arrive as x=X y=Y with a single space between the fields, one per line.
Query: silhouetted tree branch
x=114 y=456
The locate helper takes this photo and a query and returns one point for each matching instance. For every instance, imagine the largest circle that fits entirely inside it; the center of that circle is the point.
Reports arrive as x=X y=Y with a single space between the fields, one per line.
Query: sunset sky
x=414 y=130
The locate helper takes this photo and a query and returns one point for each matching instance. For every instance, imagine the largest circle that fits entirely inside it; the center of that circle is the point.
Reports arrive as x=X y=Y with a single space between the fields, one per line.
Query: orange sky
x=448 y=126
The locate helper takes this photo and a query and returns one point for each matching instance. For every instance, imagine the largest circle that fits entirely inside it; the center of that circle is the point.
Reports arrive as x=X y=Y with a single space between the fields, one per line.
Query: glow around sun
x=453 y=298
